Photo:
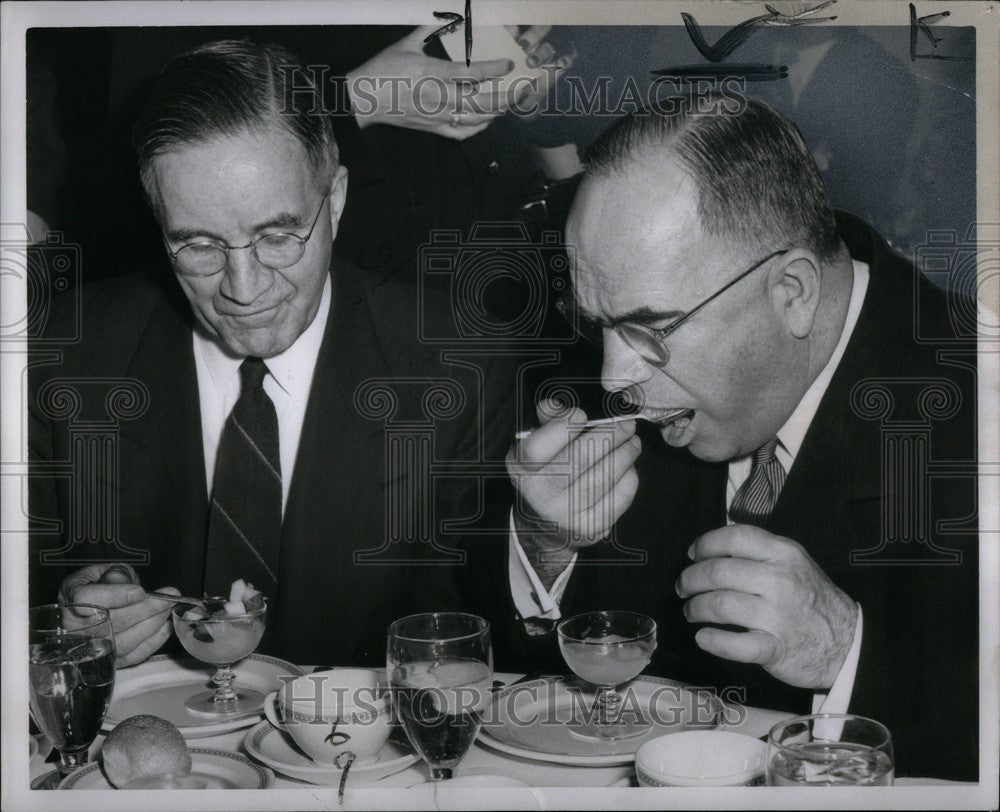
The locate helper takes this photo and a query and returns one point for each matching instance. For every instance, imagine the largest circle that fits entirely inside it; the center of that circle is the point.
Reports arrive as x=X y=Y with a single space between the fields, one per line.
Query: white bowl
x=701 y=758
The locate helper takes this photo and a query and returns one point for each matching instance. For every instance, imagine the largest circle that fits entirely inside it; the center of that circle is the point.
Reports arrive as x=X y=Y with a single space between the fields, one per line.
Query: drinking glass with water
x=71 y=670
x=828 y=750
x=440 y=668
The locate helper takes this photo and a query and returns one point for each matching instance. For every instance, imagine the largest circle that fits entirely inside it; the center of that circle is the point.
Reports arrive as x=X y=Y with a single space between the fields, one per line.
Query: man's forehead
x=270 y=140
x=634 y=232
x=246 y=176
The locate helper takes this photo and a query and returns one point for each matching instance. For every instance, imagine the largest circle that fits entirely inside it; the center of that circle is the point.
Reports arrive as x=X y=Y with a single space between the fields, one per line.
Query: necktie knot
x=252 y=373
x=758 y=495
x=764 y=454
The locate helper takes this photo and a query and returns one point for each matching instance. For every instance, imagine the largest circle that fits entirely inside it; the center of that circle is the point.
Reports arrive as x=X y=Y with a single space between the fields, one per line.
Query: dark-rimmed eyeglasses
x=274 y=251
x=649 y=342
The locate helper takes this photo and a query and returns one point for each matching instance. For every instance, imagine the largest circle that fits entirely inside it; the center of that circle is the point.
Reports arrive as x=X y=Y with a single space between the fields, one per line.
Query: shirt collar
x=291 y=370
x=791 y=435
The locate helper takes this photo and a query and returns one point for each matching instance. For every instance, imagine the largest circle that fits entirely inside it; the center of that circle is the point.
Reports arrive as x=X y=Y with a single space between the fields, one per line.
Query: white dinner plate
x=276 y=749
x=162 y=684
x=534 y=719
x=219 y=769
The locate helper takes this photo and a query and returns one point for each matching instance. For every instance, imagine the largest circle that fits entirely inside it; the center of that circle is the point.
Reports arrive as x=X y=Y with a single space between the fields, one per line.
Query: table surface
x=484 y=760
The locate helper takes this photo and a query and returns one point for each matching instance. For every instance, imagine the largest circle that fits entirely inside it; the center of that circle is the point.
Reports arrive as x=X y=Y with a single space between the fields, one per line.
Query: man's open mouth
x=669 y=417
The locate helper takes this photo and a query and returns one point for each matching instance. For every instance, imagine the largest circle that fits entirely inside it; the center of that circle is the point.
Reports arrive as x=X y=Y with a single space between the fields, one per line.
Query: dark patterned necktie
x=244 y=531
x=756 y=498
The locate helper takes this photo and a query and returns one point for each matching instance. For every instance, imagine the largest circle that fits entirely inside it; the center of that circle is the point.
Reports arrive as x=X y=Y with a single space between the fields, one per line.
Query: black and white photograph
x=551 y=404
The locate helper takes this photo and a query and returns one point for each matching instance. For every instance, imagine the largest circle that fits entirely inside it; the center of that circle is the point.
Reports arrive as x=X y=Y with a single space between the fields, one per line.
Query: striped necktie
x=756 y=498
x=244 y=531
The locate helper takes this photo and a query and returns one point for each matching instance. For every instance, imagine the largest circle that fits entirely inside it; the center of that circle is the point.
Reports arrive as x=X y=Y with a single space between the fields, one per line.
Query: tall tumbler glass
x=440 y=668
x=71 y=670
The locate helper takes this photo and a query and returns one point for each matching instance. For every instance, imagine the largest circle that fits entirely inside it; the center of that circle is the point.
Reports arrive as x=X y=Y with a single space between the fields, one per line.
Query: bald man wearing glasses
x=744 y=319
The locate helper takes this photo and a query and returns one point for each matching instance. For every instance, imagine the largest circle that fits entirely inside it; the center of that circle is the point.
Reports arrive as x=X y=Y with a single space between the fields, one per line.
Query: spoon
x=163 y=596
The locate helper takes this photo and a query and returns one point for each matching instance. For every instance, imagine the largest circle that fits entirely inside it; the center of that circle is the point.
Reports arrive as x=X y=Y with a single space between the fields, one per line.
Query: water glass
x=71 y=670
x=440 y=668
x=827 y=750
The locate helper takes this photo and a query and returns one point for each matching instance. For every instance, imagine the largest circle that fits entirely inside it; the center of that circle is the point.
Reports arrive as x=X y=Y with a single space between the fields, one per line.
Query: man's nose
x=622 y=366
x=245 y=278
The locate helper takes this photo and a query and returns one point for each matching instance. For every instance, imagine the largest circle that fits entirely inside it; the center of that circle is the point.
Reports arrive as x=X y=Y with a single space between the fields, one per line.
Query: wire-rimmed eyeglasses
x=648 y=342
x=274 y=251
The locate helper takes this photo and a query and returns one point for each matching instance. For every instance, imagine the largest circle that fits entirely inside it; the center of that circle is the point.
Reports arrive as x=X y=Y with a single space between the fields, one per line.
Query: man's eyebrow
x=639 y=315
x=284 y=220
x=188 y=234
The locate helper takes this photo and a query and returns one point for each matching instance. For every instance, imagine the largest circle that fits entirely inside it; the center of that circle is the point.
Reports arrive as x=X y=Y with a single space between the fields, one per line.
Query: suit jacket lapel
x=336 y=499
x=348 y=355
x=828 y=460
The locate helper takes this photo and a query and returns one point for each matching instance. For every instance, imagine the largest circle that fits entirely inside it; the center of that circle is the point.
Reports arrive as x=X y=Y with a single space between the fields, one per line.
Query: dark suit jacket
x=337 y=589
x=856 y=481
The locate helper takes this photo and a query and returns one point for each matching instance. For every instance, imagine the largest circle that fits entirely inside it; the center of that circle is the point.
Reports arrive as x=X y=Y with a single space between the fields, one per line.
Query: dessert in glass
x=608 y=649
x=223 y=633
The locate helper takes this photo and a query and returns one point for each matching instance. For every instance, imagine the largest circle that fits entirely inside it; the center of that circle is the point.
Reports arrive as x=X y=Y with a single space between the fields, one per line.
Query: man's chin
x=698 y=446
x=256 y=343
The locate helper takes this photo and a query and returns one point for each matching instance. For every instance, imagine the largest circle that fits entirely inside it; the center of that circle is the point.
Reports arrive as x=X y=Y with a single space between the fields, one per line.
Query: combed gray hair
x=229 y=87
x=757 y=183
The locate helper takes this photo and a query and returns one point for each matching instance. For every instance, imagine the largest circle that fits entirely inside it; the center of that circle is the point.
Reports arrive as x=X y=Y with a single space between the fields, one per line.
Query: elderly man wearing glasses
x=266 y=369
x=787 y=545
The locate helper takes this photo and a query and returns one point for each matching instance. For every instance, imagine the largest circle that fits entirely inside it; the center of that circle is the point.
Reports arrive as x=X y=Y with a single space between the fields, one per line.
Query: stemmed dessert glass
x=440 y=668
x=608 y=649
x=221 y=639
x=71 y=669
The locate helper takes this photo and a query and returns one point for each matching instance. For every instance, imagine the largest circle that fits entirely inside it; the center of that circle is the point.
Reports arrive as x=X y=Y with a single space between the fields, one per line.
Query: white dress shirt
x=532 y=600
x=287 y=384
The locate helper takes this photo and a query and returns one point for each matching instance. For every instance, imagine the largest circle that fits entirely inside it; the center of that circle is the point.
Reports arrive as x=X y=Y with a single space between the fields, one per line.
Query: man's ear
x=338 y=197
x=795 y=290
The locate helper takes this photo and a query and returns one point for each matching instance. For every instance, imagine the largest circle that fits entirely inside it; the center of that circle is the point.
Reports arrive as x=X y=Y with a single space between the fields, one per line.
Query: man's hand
x=141 y=624
x=404 y=87
x=574 y=484
x=800 y=625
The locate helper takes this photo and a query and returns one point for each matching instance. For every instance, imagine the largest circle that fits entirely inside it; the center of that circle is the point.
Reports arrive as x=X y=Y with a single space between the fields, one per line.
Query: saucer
x=276 y=749
x=217 y=769
x=162 y=684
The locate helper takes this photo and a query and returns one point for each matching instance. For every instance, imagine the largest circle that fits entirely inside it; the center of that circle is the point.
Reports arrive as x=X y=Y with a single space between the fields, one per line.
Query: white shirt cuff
x=531 y=599
x=838 y=698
